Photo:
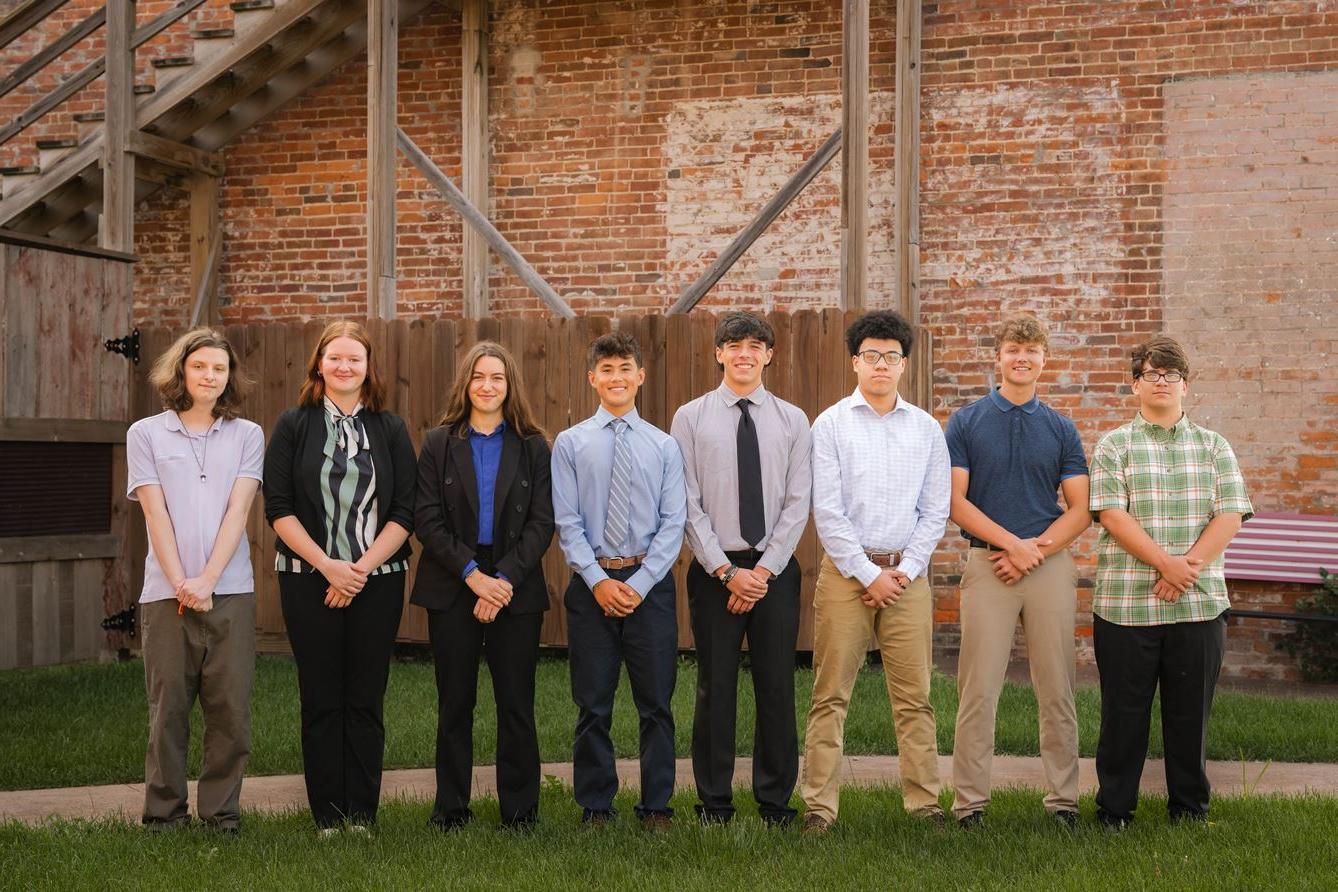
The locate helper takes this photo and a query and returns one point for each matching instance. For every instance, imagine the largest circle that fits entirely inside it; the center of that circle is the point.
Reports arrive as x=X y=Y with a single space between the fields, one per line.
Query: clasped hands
x=1016 y=561
x=346 y=579
x=197 y=593
x=746 y=588
x=1178 y=573
x=886 y=589
x=491 y=592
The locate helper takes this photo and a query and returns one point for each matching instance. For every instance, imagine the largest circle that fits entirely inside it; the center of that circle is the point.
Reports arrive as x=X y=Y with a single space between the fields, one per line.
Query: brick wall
x=1067 y=151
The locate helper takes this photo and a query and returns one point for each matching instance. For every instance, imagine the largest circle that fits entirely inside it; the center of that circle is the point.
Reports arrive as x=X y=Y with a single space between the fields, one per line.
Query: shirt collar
x=730 y=398
x=1003 y=404
x=495 y=431
x=604 y=416
x=857 y=399
x=174 y=424
x=1156 y=430
x=335 y=412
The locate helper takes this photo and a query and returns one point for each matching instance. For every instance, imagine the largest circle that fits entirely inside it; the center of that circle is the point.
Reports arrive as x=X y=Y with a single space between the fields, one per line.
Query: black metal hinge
x=127 y=346
x=126 y=621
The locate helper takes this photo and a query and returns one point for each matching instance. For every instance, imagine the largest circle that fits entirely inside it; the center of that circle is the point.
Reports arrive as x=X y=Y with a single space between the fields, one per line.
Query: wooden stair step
x=89 y=117
x=213 y=33
x=173 y=62
x=20 y=170
x=251 y=5
x=63 y=143
x=144 y=89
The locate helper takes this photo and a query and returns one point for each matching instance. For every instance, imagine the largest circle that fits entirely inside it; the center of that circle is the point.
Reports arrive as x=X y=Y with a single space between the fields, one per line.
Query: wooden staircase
x=197 y=103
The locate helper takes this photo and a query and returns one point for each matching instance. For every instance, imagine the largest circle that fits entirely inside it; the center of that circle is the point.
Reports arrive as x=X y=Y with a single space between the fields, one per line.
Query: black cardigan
x=293 y=462
x=447 y=517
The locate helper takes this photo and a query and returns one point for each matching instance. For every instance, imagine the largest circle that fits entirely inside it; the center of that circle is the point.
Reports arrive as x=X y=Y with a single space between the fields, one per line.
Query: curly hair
x=883 y=325
x=1022 y=328
x=615 y=344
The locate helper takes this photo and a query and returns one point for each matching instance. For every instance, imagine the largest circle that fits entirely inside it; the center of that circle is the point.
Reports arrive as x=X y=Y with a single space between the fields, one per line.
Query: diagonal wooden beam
x=769 y=212
x=906 y=224
x=28 y=14
x=475 y=218
x=60 y=45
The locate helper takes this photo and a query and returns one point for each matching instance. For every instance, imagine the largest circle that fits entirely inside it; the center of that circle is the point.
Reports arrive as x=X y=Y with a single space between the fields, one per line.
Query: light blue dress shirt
x=582 y=464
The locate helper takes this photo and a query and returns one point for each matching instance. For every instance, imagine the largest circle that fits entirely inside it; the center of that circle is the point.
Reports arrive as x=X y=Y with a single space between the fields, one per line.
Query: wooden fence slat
x=23 y=276
x=10 y=630
x=45 y=614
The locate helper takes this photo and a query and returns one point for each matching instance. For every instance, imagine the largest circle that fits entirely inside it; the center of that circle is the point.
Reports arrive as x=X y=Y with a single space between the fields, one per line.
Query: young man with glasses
x=1010 y=454
x=1169 y=496
x=746 y=461
x=880 y=503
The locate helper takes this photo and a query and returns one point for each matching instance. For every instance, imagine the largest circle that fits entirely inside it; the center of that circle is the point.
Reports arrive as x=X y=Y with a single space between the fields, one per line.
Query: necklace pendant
x=202 y=476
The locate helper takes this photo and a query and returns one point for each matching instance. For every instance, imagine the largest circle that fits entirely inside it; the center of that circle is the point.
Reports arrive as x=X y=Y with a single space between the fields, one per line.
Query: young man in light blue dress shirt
x=620 y=504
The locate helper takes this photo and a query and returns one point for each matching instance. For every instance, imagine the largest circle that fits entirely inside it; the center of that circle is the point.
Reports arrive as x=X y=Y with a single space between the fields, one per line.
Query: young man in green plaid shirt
x=1169 y=496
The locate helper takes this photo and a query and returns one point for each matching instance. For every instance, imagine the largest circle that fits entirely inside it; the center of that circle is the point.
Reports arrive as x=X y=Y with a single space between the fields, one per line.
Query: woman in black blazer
x=484 y=516
x=339 y=489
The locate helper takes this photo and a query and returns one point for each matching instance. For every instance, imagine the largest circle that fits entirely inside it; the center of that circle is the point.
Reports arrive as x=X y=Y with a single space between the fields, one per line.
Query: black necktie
x=752 y=520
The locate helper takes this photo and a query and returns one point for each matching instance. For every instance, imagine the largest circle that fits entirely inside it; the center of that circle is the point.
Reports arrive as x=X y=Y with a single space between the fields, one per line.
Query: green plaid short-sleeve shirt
x=1173 y=482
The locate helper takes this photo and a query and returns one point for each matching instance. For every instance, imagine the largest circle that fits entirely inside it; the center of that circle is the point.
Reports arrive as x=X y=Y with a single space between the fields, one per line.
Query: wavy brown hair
x=515 y=407
x=313 y=387
x=169 y=373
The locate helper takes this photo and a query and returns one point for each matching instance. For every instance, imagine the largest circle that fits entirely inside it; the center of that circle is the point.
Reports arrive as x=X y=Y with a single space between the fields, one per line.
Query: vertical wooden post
x=117 y=229
x=474 y=149
x=906 y=225
x=855 y=153
x=204 y=230
x=382 y=71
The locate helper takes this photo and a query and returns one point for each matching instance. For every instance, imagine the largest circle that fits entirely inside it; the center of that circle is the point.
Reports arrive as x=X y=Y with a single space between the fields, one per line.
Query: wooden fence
x=811 y=369
x=63 y=404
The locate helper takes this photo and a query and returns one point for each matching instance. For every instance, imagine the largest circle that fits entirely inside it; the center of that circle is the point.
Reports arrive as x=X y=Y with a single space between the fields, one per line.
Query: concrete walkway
x=285 y=792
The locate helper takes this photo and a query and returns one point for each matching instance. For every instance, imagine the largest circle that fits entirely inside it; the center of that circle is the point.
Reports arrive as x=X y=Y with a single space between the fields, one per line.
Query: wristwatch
x=726 y=575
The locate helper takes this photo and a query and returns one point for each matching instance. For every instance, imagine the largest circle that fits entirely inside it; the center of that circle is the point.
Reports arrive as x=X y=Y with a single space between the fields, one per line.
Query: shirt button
x=524 y=483
x=449 y=481
x=518 y=509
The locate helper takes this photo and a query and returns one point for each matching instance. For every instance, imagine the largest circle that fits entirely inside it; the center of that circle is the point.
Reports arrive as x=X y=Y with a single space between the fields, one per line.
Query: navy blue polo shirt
x=1017 y=456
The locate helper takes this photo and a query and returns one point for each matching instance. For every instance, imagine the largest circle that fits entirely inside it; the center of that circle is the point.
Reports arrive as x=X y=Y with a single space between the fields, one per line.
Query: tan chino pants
x=843 y=628
x=1044 y=600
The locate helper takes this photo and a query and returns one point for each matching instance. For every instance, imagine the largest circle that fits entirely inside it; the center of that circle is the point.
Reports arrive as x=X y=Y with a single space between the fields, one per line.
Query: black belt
x=748 y=555
x=981 y=543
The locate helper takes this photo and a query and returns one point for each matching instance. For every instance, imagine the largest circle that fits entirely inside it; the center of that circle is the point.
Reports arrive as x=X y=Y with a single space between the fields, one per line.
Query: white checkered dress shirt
x=879 y=483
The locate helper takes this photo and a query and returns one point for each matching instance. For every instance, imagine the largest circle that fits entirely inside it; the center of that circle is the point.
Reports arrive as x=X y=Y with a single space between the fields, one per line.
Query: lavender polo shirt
x=160 y=450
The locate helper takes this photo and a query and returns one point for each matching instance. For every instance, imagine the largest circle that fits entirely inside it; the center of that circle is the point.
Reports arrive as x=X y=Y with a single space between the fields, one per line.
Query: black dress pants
x=597 y=646
x=772 y=629
x=1184 y=659
x=510 y=644
x=343 y=664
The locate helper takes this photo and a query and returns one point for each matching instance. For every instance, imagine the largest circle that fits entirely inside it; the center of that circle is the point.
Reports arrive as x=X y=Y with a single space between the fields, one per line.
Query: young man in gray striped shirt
x=746 y=461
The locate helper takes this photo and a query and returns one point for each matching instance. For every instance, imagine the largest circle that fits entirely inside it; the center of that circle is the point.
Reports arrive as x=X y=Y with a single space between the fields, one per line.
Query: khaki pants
x=210 y=655
x=843 y=628
x=1044 y=600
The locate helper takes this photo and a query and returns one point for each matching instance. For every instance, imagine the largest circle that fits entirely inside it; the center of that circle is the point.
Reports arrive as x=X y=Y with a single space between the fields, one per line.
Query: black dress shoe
x=1111 y=821
x=973 y=821
x=449 y=822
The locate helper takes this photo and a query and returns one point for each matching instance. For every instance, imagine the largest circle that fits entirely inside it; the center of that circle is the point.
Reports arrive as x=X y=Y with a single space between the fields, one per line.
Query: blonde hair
x=1022 y=328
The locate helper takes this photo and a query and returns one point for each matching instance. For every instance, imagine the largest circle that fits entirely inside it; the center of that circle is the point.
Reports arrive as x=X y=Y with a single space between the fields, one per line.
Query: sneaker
x=973 y=821
x=327 y=832
x=1066 y=818
x=359 y=830
x=815 y=825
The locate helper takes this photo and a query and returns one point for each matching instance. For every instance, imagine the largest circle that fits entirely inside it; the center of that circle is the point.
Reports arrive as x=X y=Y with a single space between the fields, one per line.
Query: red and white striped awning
x=1284 y=548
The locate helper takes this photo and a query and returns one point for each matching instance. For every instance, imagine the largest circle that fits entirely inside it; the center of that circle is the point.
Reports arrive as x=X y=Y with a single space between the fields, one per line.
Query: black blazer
x=293 y=462
x=447 y=517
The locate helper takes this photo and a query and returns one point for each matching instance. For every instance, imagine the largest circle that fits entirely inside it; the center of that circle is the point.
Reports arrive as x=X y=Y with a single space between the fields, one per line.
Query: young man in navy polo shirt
x=1010 y=453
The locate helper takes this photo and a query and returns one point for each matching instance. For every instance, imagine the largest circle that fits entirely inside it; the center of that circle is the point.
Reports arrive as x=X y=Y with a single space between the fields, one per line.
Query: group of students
x=736 y=476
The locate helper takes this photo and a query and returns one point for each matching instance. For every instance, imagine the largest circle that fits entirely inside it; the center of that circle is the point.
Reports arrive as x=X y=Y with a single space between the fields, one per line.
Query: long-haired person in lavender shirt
x=195 y=469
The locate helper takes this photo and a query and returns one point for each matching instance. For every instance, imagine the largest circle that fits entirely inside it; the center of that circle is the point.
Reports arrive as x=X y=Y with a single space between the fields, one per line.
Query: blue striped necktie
x=617 y=520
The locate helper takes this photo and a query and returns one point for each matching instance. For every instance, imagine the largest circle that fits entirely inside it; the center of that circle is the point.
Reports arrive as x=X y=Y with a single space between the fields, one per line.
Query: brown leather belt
x=883 y=558
x=620 y=563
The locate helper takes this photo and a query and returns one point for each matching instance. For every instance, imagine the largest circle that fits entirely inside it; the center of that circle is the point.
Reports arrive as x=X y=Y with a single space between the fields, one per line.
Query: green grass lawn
x=86 y=724
x=1252 y=842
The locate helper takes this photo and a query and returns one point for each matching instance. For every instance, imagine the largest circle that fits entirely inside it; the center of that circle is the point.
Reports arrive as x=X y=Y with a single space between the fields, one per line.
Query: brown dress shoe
x=656 y=823
x=815 y=825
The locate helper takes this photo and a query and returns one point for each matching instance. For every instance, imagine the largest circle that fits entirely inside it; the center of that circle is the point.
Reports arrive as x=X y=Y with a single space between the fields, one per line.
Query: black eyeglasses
x=891 y=357
x=1168 y=377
